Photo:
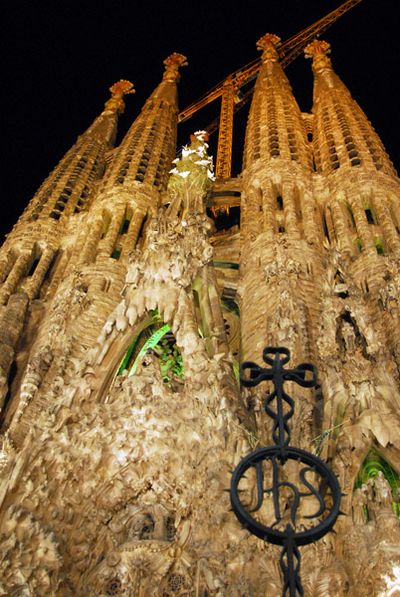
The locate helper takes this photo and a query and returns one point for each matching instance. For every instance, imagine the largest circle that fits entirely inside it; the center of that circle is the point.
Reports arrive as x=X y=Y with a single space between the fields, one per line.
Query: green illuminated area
x=155 y=338
x=372 y=465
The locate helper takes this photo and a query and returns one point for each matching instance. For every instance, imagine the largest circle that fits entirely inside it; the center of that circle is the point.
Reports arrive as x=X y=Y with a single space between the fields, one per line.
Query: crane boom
x=316 y=28
x=229 y=87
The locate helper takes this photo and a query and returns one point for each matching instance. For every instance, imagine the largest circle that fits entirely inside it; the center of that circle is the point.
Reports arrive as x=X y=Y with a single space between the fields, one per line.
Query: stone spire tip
x=172 y=65
x=318 y=50
x=268 y=44
x=118 y=90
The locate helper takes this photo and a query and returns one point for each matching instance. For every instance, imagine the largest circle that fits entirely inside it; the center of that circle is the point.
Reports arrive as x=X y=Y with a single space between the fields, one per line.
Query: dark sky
x=61 y=57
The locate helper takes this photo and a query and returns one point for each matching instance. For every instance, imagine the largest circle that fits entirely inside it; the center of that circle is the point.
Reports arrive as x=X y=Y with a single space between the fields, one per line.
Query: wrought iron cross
x=269 y=503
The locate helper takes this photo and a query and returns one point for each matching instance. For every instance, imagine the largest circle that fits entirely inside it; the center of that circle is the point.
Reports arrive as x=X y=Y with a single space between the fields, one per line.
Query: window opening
x=225 y=218
x=142 y=227
x=125 y=226
x=370 y=216
x=33 y=267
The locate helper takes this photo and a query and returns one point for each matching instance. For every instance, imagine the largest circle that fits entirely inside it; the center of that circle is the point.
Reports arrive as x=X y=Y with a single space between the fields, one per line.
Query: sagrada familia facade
x=125 y=313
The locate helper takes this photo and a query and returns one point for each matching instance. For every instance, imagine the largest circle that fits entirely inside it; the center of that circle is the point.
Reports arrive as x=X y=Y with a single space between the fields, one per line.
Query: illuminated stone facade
x=123 y=312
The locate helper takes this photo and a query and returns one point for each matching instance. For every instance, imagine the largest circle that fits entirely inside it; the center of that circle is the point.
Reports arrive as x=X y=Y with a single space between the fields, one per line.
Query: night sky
x=61 y=57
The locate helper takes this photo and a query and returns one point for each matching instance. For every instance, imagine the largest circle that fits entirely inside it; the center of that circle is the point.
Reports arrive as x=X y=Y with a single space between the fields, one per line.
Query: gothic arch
x=156 y=337
x=116 y=337
x=105 y=370
x=375 y=465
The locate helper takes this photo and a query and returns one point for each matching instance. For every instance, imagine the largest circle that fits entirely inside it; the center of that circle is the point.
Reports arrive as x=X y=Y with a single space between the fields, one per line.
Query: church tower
x=124 y=316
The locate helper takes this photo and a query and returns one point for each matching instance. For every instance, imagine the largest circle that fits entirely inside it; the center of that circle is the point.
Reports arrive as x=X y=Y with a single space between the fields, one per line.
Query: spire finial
x=172 y=64
x=118 y=90
x=268 y=44
x=318 y=50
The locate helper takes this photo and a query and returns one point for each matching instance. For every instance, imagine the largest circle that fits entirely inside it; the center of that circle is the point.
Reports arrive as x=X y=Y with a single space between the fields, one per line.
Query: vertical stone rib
x=363 y=230
x=312 y=229
x=218 y=320
x=133 y=233
x=32 y=288
x=108 y=244
x=289 y=209
x=251 y=224
x=5 y=266
x=59 y=274
x=11 y=327
x=269 y=204
x=338 y=222
x=89 y=251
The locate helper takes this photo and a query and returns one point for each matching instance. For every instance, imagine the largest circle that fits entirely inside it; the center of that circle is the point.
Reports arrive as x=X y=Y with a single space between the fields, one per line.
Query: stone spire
x=118 y=90
x=275 y=128
x=33 y=243
x=343 y=135
x=146 y=153
x=361 y=212
x=138 y=171
x=279 y=227
x=67 y=189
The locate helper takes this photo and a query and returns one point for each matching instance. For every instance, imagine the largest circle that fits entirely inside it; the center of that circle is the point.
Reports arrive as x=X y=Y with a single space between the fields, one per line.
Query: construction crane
x=229 y=89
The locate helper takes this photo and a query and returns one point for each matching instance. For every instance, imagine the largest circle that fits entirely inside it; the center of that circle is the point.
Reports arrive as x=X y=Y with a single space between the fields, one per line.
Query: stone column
x=340 y=225
x=251 y=215
x=5 y=267
x=385 y=221
x=362 y=225
x=289 y=209
x=15 y=276
x=269 y=207
x=89 y=250
x=107 y=244
x=312 y=229
x=60 y=271
x=132 y=235
x=32 y=287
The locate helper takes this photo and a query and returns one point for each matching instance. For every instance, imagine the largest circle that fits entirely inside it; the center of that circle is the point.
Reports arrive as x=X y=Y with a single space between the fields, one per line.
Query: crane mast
x=228 y=89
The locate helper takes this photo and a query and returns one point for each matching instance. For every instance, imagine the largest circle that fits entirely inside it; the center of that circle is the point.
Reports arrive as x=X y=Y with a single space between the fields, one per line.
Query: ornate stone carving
x=115 y=484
